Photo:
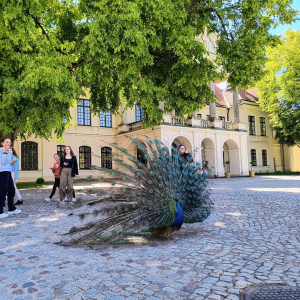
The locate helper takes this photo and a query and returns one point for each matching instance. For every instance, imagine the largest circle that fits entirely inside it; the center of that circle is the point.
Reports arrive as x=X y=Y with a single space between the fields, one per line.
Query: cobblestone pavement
x=252 y=237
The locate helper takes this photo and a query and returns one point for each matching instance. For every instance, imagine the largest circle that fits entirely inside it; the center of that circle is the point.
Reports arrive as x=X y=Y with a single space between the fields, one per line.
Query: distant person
x=184 y=155
x=6 y=182
x=69 y=169
x=56 y=171
x=15 y=174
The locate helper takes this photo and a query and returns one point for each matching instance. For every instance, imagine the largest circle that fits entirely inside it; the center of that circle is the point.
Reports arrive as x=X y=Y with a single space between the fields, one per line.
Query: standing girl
x=15 y=174
x=6 y=181
x=69 y=169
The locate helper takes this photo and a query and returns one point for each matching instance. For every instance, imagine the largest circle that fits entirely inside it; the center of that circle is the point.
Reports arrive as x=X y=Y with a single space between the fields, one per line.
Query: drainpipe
x=283 y=163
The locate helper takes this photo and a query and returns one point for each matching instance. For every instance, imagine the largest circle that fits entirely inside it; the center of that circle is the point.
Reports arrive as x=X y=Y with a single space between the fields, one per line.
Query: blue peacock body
x=153 y=198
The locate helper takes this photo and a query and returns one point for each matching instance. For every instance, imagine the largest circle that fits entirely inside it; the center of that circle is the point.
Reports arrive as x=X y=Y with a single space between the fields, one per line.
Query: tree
x=36 y=85
x=136 y=51
x=280 y=88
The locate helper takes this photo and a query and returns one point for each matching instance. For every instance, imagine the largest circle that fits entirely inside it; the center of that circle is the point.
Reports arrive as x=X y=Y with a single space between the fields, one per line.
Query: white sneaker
x=14 y=212
x=48 y=199
x=3 y=215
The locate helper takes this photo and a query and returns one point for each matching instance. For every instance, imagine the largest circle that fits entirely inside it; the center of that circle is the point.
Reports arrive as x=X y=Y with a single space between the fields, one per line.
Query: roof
x=249 y=95
x=225 y=97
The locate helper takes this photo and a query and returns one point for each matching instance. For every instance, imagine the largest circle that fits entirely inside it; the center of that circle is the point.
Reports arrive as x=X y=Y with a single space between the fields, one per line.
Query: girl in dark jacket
x=186 y=157
x=69 y=169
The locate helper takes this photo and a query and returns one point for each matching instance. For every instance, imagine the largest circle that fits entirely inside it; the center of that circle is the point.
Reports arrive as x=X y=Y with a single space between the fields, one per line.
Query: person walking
x=6 y=181
x=15 y=174
x=56 y=171
x=69 y=169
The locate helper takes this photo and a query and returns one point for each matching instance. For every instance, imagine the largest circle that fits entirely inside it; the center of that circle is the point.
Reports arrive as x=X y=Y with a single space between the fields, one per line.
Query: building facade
x=233 y=129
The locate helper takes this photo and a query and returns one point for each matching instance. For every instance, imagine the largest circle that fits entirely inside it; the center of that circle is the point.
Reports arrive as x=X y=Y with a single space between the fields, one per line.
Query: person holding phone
x=69 y=169
x=15 y=174
x=6 y=182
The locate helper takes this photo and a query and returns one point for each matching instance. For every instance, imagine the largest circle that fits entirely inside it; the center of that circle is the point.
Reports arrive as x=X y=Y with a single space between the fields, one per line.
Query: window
x=222 y=119
x=84 y=113
x=105 y=119
x=199 y=116
x=139 y=114
x=141 y=156
x=60 y=150
x=29 y=156
x=262 y=121
x=264 y=158
x=106 y=159
x=253 y=157
x=208 y=117
x=85 y=157
x=251 y=125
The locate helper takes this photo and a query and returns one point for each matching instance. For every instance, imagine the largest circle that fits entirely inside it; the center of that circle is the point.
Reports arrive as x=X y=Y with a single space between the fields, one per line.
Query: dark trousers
x=6 y=188
x=56 y=186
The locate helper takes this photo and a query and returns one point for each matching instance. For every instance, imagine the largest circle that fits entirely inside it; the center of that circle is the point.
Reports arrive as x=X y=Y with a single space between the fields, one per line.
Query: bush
x=40 y=180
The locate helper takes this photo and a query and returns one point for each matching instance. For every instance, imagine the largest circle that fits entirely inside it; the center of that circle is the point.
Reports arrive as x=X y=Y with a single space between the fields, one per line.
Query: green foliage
x=40 y=181
x=280 y=88
x=136 y=51
x=36 y=86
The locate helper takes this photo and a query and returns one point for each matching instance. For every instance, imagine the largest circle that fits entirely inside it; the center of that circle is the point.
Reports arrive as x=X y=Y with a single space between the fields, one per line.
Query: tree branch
x=193 y=8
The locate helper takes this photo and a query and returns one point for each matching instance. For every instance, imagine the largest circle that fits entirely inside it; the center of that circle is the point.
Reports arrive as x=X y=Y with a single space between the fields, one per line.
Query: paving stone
x=250 y=238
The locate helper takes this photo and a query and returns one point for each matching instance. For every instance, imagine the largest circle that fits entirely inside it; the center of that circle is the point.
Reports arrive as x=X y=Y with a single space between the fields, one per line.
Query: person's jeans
x=7 y=188
x=66 y=184
x=55 y=186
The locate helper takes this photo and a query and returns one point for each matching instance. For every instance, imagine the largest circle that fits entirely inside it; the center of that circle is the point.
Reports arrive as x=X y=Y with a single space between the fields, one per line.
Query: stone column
x=236 y=108
x=212 y=106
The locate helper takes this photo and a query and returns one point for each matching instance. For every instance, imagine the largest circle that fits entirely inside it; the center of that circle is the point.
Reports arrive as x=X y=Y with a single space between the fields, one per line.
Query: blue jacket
x=5 y=160
x=15 y=167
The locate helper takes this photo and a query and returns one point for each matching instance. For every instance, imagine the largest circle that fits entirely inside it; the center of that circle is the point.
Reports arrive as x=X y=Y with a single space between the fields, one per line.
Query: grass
x=25 y=185
x=277 y=173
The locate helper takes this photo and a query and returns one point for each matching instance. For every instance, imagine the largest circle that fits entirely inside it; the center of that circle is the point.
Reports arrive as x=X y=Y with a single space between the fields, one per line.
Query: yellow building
x=235 y=129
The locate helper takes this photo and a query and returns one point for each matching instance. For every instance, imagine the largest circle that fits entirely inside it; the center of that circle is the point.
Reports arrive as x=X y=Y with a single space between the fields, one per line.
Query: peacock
x=149 y=198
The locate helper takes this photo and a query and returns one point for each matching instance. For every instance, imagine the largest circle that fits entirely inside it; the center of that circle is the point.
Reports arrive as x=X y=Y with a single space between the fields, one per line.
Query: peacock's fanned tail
x=142 y=198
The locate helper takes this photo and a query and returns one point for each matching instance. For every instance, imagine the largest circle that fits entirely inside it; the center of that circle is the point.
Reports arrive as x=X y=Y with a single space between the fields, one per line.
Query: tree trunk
x=14 y=135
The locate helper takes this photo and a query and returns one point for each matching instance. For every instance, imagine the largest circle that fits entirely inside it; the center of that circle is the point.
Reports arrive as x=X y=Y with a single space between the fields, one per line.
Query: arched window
x=264 y=157
x=29 y=156
x=106 y=159
x=141 y=156
x=253 y=157
x=60 y=150
x=85 y=157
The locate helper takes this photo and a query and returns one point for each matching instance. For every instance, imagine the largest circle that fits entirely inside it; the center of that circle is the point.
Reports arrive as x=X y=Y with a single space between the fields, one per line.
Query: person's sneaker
x=48 y=199
x=74 y=199
x=3 y=215
x=14 y=212
x=19 y=202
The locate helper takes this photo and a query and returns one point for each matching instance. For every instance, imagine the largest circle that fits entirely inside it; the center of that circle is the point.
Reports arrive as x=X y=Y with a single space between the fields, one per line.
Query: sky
x=279 y=30
x=295 y=26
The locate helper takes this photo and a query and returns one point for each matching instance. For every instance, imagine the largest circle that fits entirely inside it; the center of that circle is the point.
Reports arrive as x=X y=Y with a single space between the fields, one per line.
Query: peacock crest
x=152 y=197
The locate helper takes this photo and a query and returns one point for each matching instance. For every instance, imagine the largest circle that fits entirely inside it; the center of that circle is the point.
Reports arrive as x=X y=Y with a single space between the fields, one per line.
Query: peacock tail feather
x=141 y=200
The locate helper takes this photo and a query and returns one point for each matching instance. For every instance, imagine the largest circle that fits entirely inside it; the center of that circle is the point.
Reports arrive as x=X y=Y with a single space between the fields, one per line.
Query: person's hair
x=14 y=152
x=55 y=154
x=71 y=151
x=181 y=146
x=4 y=138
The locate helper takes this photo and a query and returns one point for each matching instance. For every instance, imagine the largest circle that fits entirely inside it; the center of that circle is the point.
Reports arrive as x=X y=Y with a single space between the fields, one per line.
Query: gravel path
x=252 y=237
